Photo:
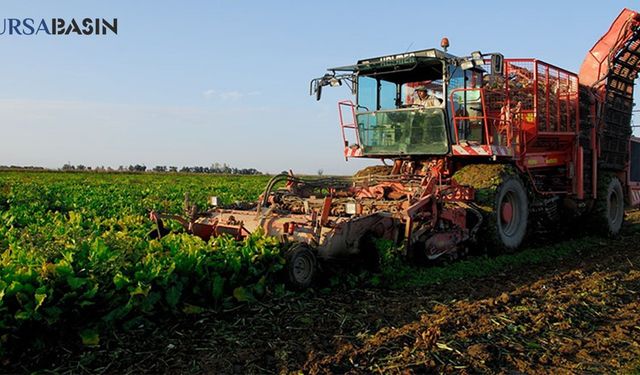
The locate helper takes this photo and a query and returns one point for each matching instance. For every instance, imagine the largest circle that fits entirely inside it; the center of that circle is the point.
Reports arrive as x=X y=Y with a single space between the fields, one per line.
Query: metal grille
x=617 y=113
x=520 y=79
x=557 y=99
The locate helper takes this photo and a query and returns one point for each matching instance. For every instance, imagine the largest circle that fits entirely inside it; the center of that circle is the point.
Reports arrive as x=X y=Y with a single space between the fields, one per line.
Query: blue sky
x=198 y=82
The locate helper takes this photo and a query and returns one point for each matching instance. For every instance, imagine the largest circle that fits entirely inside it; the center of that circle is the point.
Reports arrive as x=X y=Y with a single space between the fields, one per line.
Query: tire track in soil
x=578 y=321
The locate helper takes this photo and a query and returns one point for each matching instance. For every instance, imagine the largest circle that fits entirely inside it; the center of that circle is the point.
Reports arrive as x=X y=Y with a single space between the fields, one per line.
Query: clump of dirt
x=485 y=178
x=374 y=170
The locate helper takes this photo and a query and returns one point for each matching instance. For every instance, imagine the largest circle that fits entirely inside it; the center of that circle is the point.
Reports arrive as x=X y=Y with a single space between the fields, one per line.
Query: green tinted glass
x=406 y=131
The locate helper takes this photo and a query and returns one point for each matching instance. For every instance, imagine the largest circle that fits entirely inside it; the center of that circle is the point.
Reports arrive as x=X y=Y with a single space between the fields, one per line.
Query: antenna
x=407 y=50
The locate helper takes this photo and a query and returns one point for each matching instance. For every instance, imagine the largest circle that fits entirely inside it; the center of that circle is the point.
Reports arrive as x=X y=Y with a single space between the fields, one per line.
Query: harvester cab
x=416 y=105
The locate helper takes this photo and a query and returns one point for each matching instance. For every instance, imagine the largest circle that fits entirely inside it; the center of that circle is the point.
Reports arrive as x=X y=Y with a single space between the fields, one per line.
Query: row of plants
x=75 y=257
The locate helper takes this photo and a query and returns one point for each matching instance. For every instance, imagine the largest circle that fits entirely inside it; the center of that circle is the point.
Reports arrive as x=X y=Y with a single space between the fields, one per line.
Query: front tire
x=502 y=199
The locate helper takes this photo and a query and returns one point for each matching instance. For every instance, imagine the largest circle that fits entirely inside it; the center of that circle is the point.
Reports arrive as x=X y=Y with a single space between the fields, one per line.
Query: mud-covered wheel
x=301 y=266
x=511 y=213
x=609 y=207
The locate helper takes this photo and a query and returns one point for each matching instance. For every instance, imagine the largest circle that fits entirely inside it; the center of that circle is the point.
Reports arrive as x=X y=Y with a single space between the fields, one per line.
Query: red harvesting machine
x=503 y=147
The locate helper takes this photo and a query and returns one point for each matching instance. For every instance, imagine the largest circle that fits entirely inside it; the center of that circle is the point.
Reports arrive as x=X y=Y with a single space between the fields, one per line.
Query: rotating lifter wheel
x=511 y=212
x=301 y=266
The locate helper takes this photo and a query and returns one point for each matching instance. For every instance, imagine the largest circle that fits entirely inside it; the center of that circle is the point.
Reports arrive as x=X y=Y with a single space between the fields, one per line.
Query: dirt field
x=580 y=315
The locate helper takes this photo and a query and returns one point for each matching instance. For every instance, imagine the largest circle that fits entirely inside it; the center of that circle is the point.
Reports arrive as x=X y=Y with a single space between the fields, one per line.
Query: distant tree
x=137 y=168
x=320 y=172
x=214 y=168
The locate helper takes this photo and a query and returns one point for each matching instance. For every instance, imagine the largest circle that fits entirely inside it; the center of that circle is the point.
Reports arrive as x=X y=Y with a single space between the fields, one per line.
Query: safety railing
x=476 y=123
x=347 y=107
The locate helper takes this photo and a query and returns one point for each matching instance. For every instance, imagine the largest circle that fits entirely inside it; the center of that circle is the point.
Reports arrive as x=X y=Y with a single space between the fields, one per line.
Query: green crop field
x=76 y=257
x=80 y=278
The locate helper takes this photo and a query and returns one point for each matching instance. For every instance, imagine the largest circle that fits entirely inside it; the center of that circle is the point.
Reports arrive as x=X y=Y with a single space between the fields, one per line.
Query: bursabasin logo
x=59 y=26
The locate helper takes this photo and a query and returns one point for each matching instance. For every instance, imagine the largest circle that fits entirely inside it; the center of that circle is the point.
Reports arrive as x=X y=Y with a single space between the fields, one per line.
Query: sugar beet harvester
x=507 y=146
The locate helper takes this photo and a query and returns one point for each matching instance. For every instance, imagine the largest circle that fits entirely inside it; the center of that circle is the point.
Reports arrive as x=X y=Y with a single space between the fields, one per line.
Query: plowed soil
x=580 y=315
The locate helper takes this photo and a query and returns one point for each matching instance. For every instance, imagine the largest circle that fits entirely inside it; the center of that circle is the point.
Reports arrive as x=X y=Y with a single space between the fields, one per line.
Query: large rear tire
x=608 y=214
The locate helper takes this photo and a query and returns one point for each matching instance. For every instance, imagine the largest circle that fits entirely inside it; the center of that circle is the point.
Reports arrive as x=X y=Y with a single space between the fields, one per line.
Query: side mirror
x=497 y=63
x=330 y=79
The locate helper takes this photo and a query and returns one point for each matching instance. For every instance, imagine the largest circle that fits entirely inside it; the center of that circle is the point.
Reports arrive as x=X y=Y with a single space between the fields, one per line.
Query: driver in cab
x=425 y=98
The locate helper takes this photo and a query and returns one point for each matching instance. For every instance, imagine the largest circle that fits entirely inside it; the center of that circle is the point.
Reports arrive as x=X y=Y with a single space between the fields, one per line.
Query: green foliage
x=75 y=257
x=90 y=337
x=397 y=273
x=74 y=252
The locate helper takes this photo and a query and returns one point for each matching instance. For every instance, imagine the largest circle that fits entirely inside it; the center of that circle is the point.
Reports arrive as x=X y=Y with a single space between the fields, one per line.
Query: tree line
x=215 y=168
